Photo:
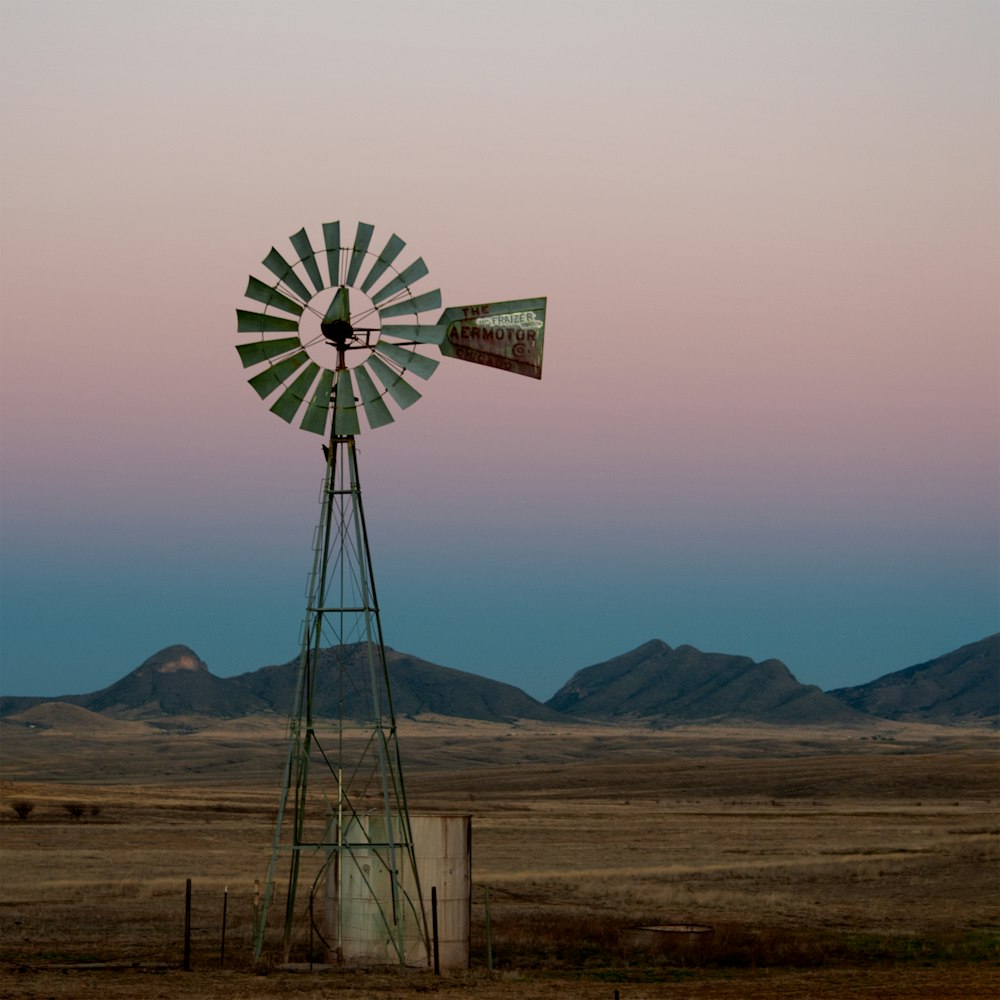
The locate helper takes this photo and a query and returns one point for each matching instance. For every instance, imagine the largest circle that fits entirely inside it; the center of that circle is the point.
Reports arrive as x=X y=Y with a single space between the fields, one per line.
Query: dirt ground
x=827 y=864
x=884 y=983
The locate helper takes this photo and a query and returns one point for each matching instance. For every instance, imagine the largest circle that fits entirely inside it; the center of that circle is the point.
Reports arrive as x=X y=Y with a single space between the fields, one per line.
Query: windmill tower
x=328 y=343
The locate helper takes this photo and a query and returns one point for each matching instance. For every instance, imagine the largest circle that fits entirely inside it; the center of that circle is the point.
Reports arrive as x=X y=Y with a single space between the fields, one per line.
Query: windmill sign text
x=506 y=335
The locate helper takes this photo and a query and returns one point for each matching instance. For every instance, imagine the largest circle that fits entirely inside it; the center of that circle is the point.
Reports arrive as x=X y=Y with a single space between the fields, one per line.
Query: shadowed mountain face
x=963 y=685
x=417 y=687
x=658 y=684
x=175 y=682
x=653 y=684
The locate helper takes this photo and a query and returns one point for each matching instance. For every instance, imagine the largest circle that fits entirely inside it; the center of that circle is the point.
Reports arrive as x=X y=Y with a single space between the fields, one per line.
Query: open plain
x=822 y=864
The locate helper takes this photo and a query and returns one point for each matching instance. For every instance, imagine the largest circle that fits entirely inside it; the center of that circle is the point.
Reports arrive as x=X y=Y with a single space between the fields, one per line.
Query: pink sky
x=770 y=238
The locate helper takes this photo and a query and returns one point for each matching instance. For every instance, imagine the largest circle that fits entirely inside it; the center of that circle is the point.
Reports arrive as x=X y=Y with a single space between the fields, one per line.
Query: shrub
x=22 y=809
x=75 y=809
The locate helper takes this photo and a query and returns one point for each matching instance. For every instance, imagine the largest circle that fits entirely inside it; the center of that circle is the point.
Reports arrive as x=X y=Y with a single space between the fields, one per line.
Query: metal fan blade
x=416 y=333
x=358 y=251
x=421 y=366
x=390 y=252
x=263 y=350
x=292 y=398
x=339 y=307
x=400 y=390
x=319 y=405
x=345 y=411
x=402 y=281
x=274 y=375
x=308 y=257
x=331 y=240
x=256 y=289
x=376 y=412
x=419 y=304
x=254 y=322
x=282 y=270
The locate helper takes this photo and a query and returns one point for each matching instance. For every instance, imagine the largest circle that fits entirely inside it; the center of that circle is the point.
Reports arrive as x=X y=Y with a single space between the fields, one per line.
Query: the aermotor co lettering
x=508 y=334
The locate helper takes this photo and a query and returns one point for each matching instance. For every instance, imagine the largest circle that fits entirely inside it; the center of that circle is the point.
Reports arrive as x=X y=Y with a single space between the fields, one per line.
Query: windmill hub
x=338 y=332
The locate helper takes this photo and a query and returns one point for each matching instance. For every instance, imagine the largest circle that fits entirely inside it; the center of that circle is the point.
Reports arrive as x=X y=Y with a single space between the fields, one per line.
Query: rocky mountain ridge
x=653 y=684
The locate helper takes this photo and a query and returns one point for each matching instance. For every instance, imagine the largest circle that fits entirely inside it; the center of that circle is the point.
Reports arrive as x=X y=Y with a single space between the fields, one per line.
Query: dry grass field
x=827 y=864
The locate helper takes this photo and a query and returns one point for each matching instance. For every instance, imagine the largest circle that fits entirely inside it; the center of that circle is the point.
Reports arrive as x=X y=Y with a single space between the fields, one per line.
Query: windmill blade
x=263 y=350
x=358 y=251
x=389 y=253
x=401 y=282
x=274 y=375
x=415 y=332
x=421 y=366
x=419 y=304
x=258 y=290
x=331 y=240
x=376 y=412
x=339 y=307
x=401 y=391
x=293 y=397
x=345 y=411
x=307 y=256
x=248 y=321
x=282 y=270
x=319 y=406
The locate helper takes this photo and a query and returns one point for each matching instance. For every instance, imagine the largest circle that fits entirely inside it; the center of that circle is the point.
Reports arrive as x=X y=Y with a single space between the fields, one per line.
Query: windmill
x=340 y=330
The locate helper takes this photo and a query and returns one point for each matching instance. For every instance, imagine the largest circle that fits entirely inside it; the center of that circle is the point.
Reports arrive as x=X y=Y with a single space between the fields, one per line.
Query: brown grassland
x=828 y=864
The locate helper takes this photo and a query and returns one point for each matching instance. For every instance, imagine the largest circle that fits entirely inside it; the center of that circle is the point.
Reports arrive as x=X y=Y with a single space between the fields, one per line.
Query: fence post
x=489 y=932
x=187 y=926
x=225 y=907
x=434 y=929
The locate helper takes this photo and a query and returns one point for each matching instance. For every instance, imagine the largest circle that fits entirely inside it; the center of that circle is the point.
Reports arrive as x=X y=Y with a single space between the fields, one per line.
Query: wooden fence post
x=187 y=926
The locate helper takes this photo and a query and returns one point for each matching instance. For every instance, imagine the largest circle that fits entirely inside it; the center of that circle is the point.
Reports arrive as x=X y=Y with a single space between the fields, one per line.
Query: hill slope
x=176 y=682
x=417 y=687
x=659 y=684
x=960 y=686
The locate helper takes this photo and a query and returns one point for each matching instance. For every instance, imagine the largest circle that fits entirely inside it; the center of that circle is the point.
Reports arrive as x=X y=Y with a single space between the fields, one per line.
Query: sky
x=769 y=418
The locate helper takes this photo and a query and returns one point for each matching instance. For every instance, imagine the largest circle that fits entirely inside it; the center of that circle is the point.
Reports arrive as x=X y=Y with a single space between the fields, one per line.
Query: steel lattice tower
x=343 y=825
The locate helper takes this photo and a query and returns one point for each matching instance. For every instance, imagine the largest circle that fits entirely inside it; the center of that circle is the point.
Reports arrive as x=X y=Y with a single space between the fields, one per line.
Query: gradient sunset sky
x=769 y=233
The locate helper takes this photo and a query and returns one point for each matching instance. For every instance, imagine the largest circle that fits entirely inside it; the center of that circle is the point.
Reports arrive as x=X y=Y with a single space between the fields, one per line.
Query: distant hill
x=58 y=715
x=417 y=687
x=961 y=686
x=655 y=683
x=176 y=682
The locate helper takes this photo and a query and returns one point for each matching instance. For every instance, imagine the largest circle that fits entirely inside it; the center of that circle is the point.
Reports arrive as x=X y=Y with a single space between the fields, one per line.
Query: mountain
x=655 y=683
x=176 y=682
x=173 y=681
x=960 y=686
x=417 y=687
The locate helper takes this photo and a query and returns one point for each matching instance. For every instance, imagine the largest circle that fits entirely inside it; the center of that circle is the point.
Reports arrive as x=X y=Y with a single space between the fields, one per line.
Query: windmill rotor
x=326 y=340
x=341 y=327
